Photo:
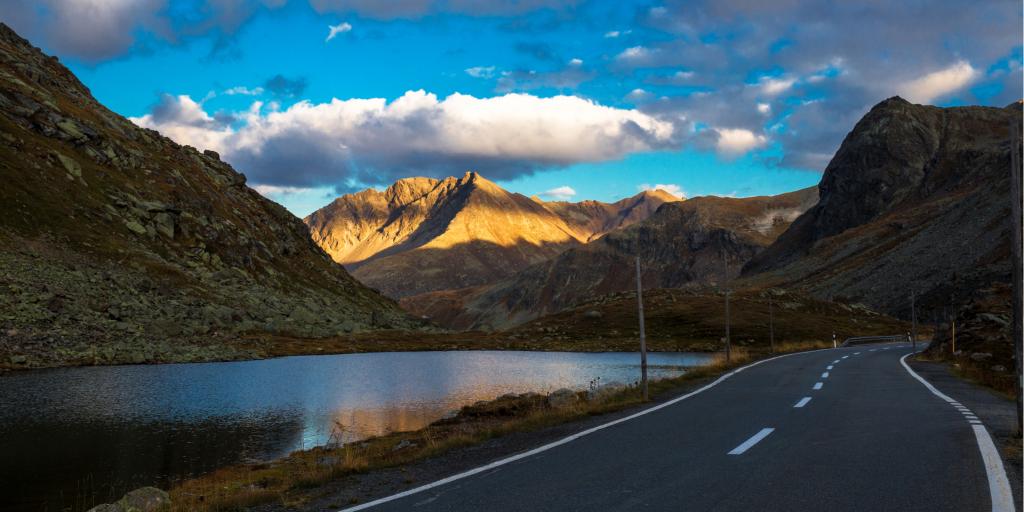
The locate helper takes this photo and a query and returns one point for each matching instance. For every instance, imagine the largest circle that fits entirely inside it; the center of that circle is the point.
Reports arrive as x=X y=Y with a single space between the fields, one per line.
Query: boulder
x=981 y=356
x=146 y=499
x=563 y=398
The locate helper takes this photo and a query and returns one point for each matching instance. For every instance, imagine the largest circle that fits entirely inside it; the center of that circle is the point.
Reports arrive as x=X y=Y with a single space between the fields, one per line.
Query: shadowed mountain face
x=116 y=237
x=682 y=243
x=916 y=199
x=423 y=235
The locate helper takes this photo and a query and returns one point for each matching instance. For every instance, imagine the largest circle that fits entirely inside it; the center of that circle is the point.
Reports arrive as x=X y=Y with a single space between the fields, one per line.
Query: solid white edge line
x=803 y=401
x=564 y=440
x=998 y=484
x=756 y=438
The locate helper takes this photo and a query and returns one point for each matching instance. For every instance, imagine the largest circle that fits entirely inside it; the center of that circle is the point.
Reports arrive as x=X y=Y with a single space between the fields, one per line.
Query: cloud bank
x=373 y=141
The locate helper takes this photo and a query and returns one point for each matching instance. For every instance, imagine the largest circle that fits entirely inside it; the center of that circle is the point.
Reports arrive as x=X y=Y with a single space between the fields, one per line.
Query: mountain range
x=422 y=235
x=696 y=241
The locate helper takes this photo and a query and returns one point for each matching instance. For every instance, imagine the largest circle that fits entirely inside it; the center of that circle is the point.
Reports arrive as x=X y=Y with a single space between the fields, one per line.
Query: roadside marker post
x=834 y=345
x=771 y=323
x=643 y=335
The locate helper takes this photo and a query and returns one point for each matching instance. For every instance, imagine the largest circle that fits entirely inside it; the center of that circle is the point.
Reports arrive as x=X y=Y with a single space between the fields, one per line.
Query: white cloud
x=683 y=75
x=334 y=30
x=774 y=86
x=612 y=34
x=938 y=83
x=480 y=71
x=373 y=140
x=563 y=193
x=673 y=189
x=275 y=190
x=638 y=94
x=737 y=141
x=244 y=91
x=764 y=108
x=634 y=53
x=576 y=62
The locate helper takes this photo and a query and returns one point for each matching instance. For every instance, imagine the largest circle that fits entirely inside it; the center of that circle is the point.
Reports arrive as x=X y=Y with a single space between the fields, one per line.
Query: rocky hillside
x=683 y=242
x=422 y=234
x=916 y=198
x=119 y=245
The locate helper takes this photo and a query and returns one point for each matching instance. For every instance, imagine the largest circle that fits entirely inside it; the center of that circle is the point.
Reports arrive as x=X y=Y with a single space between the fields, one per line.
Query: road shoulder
x=998 y=413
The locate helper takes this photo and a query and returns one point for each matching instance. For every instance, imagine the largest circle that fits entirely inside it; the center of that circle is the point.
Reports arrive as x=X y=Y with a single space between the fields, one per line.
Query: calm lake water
x=73 y=437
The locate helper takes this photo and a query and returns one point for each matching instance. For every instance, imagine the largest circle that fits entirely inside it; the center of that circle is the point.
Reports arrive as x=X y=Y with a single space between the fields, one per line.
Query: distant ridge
x=682 y=243
x=423 y=234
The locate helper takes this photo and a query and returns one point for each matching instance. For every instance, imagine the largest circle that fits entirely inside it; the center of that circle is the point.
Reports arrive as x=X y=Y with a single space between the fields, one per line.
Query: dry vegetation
x=983 y=352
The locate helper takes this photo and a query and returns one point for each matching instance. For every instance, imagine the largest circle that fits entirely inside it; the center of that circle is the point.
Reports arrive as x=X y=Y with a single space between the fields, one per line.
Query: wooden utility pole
x=1018 y=306
x=913 y=321
x=725 y=279
x=771 y=323
x=954 y=333
x=643 y=335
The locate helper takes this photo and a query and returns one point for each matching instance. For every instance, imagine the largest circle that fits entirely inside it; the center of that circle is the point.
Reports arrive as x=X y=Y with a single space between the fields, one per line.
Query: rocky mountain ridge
x=916 y=199
x=422 y=234
x=683 y=243
x=119 y=245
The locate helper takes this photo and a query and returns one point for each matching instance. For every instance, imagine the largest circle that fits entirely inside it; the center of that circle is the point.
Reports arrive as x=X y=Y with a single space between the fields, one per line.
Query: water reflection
x=75 y=437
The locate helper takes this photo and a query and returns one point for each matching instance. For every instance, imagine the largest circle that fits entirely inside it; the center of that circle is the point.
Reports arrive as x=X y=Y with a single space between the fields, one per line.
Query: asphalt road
x=872 y=437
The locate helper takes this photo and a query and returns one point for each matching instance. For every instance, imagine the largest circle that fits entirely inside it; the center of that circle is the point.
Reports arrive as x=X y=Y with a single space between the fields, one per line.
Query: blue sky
x=591 y=100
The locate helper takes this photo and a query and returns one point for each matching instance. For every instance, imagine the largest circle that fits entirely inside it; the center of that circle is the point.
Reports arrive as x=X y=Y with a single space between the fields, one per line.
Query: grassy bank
x=290 y=480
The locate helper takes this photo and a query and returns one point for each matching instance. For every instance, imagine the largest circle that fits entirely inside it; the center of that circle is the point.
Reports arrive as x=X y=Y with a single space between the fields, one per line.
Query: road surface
x=843 y=429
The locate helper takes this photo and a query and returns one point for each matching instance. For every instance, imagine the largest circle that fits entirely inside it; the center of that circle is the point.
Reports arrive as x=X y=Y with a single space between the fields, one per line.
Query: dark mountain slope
x=119 y=245
x=916 y=199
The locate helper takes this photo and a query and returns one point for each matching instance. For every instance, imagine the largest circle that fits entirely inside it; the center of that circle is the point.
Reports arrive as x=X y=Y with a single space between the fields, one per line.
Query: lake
x=73 y=437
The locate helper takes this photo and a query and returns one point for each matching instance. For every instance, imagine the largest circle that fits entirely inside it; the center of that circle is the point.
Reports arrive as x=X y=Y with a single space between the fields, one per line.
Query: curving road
x=844 y=429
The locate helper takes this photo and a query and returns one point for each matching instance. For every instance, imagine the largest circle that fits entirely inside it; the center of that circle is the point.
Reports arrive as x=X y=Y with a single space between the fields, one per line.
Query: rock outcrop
x=421 y=234
x=916 y=199
x=682 y=243
x=119 y=245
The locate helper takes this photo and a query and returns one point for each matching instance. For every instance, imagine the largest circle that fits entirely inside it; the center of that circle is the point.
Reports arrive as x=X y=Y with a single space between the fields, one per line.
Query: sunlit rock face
x=421 y=234
x=116 y=242
x=915 y=199
x=682 y=243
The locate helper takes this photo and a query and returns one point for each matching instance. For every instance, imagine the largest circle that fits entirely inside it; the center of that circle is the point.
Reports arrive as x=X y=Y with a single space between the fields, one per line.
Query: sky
x=566 y=99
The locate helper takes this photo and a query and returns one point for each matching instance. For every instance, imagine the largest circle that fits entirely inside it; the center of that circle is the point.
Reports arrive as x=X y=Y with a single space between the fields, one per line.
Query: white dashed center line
x=844 y=357
x=835 y=362
x=803 y=401
x=829 y=367
x=752 y=441
x=856 y=353
x=824 y=375
x=817 y=385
